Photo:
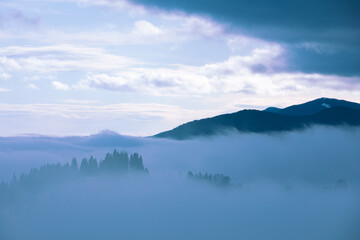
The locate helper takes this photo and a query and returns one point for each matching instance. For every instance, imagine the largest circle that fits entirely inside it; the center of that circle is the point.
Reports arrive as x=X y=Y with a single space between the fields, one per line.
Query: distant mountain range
x=322 y=111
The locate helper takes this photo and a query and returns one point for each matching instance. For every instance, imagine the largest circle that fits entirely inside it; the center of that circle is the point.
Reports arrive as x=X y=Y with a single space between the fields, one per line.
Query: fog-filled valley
x=294 y=185
x=179 y=120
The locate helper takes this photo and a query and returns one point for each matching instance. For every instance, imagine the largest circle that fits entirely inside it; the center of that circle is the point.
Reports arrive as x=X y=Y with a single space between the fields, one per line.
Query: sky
x=77 y=67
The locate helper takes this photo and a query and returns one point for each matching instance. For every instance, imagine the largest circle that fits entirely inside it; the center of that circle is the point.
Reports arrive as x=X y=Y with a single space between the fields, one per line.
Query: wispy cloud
x=253 y=74
x=60 y=58
x=5 y=76
x=114 y=4
x=86 y=118
x=143 y=32
x=5 y=89
x=60 y=86
x=233 y=75
x=33 y=87
x=79 y=101
x=87 y=111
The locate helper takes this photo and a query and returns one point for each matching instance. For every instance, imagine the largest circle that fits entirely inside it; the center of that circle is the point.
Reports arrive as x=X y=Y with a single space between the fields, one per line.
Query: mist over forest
x=179 y=120
x=294 y=185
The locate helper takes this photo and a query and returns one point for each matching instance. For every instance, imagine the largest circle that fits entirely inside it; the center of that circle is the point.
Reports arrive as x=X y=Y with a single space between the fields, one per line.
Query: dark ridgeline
x=322 y=111
x=313 y=107
x=220 y=180
x=115 y=164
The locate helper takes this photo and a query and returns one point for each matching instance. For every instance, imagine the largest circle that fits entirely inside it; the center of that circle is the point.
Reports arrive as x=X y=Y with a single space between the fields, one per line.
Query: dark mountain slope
x=272 y=109
x=243 y=121
x=262 y=122
x=337 y=116
x=313 y=107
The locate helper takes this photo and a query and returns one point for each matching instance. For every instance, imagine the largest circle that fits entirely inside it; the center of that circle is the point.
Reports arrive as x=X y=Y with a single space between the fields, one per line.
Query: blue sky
x=77 y=67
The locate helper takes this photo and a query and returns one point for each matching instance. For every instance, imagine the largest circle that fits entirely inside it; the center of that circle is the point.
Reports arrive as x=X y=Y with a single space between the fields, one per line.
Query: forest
x=216 y=179
x=114 y=164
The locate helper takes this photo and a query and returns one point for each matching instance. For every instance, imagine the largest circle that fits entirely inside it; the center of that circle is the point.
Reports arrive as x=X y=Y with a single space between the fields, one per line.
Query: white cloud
x=175 y=27
x=82 y=110
x=196 y=26
x=8 y=64
x=178 y=29
x=60 y=58
x=252 y=75
x=5 y=76
x=33 y=86
x=242 y=44
x=235 y=74
x=5 y=89
x=183 y=25
x=60 y=86
x=146 y=28
x=79 y=101
x=117 y=4
x=127 y=118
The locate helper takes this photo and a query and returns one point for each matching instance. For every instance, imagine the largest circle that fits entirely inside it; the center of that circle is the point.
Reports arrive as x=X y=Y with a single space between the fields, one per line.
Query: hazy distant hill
x=38 y=142
x=320 y=111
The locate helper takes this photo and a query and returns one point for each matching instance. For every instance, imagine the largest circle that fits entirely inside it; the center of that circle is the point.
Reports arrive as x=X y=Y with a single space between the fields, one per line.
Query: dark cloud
x=319 y=14
x=330 y=23
x=342 y=61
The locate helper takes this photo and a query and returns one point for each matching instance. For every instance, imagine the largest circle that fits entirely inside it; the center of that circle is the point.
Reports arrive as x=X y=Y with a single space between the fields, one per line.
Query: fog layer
x=289 y=190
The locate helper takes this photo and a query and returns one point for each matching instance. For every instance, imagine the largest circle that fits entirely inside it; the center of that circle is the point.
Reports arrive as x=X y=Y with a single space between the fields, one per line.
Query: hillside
x=313 y=107
x=296 y=118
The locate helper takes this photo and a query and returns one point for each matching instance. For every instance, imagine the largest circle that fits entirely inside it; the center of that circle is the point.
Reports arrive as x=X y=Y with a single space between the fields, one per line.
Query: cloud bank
x=259 y=73
x=332 y=25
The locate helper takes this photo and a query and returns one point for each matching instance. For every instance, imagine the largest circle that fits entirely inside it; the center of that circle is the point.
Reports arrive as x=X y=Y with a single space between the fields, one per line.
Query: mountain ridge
x=313 y=107
x=340 y=112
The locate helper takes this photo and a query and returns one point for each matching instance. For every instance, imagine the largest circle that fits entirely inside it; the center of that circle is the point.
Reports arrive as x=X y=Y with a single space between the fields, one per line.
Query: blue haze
x=289 y=188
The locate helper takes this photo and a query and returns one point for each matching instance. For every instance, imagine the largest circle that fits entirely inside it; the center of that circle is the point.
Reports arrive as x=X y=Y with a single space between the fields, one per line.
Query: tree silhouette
x=84 y=166
x=74 y=164
x=136 y=163
x=216 y=179
x=116 y=163
x=92 y=165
